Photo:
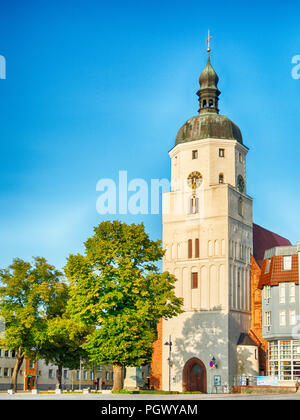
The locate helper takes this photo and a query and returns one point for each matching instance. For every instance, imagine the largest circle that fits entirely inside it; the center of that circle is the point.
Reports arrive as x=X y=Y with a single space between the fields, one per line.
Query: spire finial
x=208 y=42
x=208 y=93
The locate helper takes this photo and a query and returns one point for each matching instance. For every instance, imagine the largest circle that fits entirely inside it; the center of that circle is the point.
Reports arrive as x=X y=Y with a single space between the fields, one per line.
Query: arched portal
x=194 y=376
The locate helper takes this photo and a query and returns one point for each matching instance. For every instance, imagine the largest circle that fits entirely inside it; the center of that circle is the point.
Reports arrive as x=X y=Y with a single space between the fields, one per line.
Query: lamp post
x=169 y=343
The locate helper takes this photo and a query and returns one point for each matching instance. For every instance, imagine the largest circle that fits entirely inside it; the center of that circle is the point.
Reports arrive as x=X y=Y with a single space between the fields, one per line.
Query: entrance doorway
x=30 y=383
x=194 y=376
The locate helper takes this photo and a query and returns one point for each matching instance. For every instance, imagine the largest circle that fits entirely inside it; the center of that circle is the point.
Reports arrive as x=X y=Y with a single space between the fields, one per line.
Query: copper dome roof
x=208 y=125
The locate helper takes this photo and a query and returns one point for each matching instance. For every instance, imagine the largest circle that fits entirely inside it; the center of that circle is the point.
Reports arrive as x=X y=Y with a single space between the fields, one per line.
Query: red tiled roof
x=264 y=239
x=276 y=274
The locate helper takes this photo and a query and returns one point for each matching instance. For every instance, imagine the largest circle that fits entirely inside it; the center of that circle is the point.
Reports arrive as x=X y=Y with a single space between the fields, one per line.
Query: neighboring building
x=92 y=377
x=7 y=363
x=263 y=240
x=47 y=374
x=279 y=283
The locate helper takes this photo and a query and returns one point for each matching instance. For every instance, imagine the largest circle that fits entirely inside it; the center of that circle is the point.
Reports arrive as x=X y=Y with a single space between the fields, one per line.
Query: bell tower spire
x=208 y=93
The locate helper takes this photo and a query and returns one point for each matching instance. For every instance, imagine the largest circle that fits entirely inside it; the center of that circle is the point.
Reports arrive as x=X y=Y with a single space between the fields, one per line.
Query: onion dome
x=208 y=123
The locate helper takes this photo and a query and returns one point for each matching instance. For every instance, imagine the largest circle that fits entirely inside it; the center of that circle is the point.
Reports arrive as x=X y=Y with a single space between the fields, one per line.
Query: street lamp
x=169 y=343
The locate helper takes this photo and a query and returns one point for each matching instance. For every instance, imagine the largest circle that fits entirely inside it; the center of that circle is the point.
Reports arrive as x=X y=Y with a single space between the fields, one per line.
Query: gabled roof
x=264 y=239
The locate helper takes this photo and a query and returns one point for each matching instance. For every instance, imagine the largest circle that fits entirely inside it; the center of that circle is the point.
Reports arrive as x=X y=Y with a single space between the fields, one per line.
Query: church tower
x=207 y=235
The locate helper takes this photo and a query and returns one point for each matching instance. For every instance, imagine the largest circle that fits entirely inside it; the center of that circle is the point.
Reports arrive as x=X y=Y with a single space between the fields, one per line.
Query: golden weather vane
x=208 y=42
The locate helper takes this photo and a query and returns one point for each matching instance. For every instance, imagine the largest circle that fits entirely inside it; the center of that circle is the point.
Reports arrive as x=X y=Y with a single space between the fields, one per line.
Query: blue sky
x=94 y=87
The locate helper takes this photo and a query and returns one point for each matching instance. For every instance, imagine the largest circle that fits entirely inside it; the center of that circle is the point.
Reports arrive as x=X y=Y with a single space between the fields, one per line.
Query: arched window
x=204 y=103
x=221 y=178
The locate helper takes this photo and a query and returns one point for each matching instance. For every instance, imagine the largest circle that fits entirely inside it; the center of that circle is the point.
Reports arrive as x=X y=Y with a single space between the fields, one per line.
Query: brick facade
x=156 y=365
x=256 y=314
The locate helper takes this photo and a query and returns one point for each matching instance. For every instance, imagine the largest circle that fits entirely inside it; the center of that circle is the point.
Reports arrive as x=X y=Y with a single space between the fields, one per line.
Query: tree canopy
x=116 y=286
x=30 y=294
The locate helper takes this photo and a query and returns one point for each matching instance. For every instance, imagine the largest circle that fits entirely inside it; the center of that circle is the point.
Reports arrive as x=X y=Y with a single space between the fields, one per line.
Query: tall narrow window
x=267 y=292
x=194 y=205
x=282 y=318
x=282 y=293
x=292 y=292
x=267 y=319
x=292 y=317
x=221 y=152
x=190 y=248
x=194 y=280
x=221 y=179
x=197 y=253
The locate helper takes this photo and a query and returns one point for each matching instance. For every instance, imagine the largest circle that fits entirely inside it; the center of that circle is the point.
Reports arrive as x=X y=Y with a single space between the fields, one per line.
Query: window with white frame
x=287 y=262
x=292 y=317
x=282 y=318
x=292 y=293
x=282 y=293
x=267 y=292
x=267 y=318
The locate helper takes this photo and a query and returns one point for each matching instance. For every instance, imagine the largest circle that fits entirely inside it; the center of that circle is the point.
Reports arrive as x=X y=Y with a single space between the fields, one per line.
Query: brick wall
x=156 y=365
x=256 y=314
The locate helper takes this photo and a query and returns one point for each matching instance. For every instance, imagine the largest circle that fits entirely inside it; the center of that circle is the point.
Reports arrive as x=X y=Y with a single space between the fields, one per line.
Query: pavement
x=146 y=397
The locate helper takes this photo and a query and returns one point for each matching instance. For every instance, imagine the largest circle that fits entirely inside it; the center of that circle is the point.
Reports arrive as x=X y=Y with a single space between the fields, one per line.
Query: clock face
x=194 y=180
x=241 y=184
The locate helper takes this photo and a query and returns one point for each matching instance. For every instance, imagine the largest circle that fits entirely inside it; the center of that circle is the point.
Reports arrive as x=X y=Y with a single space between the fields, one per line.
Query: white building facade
x=207 y=234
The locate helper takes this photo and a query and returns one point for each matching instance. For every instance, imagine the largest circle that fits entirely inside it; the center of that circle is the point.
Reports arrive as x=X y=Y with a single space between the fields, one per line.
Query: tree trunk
x=118 y=377
x=59 y=376
x=18 y=364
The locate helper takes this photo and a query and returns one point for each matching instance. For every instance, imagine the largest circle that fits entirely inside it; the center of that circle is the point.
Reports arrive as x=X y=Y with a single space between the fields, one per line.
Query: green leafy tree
x=29 y=294
x=116 y=286
x=61 y=342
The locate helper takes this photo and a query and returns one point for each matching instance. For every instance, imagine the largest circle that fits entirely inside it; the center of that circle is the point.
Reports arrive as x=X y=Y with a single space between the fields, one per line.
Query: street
x=134 y=397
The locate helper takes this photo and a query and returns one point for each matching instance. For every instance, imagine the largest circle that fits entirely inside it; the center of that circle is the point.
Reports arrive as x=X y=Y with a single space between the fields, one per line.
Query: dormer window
x=287 y=262
x=267 y=269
